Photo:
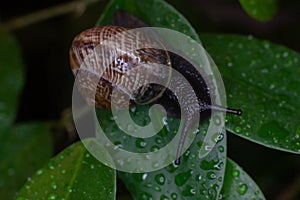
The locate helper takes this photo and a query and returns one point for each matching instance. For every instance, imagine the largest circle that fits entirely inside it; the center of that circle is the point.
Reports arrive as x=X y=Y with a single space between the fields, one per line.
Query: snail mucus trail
x=85 y=44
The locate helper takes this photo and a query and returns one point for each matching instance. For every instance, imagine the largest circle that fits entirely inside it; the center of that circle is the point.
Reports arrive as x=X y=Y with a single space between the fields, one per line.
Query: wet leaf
x=262 y=10
x=194 y=178
x=24 y=149
x=263 y=80
x=11 y=78
x=72 y=174
x=156 y=13
x=238 y=184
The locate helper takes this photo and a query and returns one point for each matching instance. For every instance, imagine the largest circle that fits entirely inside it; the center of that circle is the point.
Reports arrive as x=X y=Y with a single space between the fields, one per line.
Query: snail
x=113 y=66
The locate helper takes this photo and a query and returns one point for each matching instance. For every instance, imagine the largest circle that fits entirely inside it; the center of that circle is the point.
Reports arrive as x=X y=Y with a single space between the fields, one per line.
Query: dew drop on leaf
x=53 y=185
x=160 y=179
x=211 y=175
x=146 y=195
x=189 y=191
x=39 y=172
x=52 y=197
x=235 y=173
x=182 y=178
x=221 y=149
x=174 y=196
x=242 y=189
x=141 y=143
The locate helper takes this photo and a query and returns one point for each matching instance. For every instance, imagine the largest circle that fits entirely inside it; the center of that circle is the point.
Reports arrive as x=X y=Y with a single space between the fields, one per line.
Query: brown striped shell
x=112 y=57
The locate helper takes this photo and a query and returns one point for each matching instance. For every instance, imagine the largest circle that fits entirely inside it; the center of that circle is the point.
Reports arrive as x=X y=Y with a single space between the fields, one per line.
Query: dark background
x=49 y=80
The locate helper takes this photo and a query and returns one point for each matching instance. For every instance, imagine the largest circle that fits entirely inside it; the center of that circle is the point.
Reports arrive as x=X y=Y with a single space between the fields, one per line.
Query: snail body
x=106 y=63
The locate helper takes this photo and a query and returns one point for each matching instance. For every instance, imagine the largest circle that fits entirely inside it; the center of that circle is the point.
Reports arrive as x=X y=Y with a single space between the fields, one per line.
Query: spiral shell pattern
x=101 y=56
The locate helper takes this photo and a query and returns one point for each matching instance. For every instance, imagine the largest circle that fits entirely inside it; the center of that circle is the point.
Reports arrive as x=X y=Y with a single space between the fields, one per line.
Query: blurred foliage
x=262 y=10
x=24 y=147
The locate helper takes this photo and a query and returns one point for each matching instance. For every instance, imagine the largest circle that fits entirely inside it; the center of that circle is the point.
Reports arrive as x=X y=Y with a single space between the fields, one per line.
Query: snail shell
x=102 y=57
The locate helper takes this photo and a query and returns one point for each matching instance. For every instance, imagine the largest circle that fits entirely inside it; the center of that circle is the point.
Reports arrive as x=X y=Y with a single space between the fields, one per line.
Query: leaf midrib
x=77 y=168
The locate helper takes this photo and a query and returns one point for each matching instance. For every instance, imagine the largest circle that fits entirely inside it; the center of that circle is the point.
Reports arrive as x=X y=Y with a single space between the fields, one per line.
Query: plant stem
x=77 y=6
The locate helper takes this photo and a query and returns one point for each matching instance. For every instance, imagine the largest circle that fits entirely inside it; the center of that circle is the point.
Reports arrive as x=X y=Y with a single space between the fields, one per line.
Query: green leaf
x=263 y=80
x=11 y=78
x=73 y=174
x=23 y=150
x=156 y=13
x=238 y=184
x=262 y=10
x=194 y=178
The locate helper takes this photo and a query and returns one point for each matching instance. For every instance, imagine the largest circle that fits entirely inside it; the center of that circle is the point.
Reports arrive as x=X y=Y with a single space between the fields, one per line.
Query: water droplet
x=217 y=120
x=181 y=179
x=221 y=149
x=160 y=179
x=146 y=195
x=174 y=196
x=140 y=143
x=211 y=175
x=51 y=166
x=154 y=148
x=209 y=165
x=157 y=188
x=51 y=197
x=237 y=130
x=267 y=46
x=264 y=71
x=92 y=167
x=189 y=191
x=144 y=176
x=158 y=140
x=198 y=177
x=235 y=173
x=63 y=171
x=242 y=189
x=285 y=54
x=229 y=64
x=53 y=185
x=133 y=109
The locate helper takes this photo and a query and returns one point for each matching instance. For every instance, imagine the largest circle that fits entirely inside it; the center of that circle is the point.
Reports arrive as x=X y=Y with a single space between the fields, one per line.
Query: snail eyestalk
x=227 y=110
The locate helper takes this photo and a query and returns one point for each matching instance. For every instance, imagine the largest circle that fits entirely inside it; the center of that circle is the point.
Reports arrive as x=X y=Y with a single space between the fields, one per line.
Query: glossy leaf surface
x=73 y=174
x=263 y=80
